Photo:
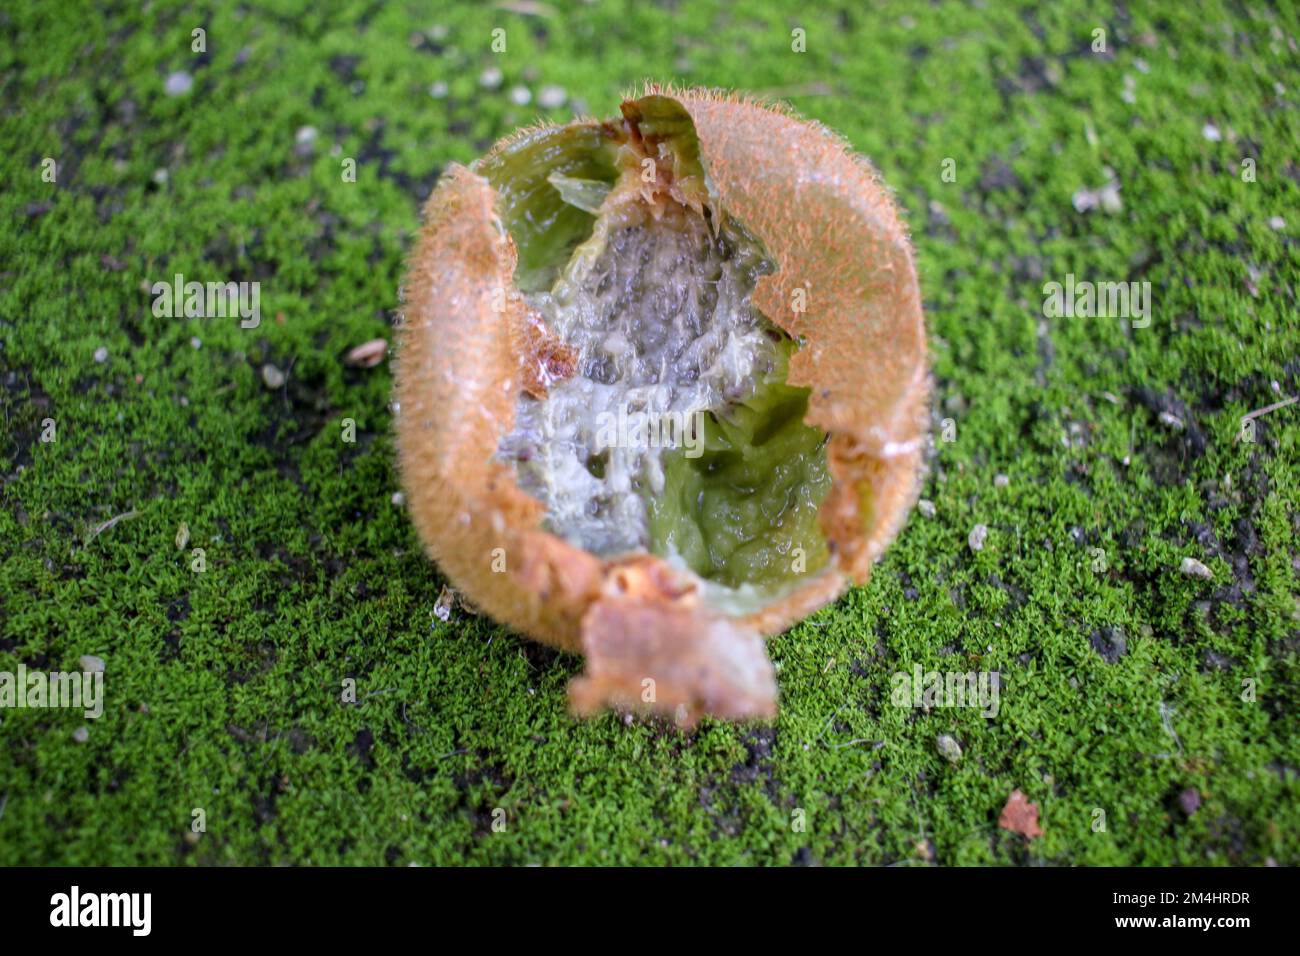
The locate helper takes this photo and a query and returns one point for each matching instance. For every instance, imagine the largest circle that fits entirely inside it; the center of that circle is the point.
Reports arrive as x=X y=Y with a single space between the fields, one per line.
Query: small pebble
x=1211 y=132
x=1277 y=222
x=1194 y=569
x=490 y=78
x=1171 y=420
x=398 y=499
x=1189 y=800
x=977 y=536
x=91 y=663
x=438 y=90
x=551 y=97
x=101 y=355
x=182 y=536
x=81 y=734
x=272 y=376
x=178 y=83
x=948 y=748
x=160 y=176
x=1001 y=481
x=926 y=507
x=305 y=141
x=196 y=342
x=520 y=95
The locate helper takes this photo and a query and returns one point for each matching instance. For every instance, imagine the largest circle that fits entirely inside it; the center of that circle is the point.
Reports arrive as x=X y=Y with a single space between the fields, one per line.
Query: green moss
x=744 y=510
x=224 y=688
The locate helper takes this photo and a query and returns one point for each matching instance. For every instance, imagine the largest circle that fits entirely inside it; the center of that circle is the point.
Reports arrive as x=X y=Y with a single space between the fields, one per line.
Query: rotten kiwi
x=662 y=387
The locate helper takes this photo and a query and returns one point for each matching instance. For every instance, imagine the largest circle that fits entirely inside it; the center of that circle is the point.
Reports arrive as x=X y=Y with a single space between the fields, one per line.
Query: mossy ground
x=223 y=687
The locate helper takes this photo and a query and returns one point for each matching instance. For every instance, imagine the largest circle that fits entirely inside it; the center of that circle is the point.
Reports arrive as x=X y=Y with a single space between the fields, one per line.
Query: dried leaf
x=367 y=354
x=1020 y=816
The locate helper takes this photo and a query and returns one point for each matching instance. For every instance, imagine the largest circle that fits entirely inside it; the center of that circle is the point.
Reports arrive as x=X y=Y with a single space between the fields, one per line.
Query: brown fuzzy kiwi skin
x=832 y=230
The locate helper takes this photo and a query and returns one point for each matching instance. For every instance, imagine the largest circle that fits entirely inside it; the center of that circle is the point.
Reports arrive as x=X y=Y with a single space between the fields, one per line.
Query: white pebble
x=438 y=90
x=1194 y=569
x=1211 y=132
x=178 y=83
x=1001 y=481
x=91 y=663
x=551 y=97
x=521 y=95
x=272 y=376
x=101 y=355
x=1278 y=223
x=977 y=536
x=926 y=507
x=490 y=78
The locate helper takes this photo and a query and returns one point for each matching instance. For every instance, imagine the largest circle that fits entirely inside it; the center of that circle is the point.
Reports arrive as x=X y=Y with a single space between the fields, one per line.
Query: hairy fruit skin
x=845 y=287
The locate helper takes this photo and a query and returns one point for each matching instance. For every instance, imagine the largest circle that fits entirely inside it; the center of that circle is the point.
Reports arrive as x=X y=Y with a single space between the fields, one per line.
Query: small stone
x=81 y=734
x=1170 y=420
x=272 y=376
x=101 y=355
x=305 y=142
x=92 y=664
x=490 y=78
x=182 y=536
x=977 y=536
x=1211 y=132
x=1129 y=93
x=521 y=95
x=1189 y=800
x=1001 y=481
x=398 y=499
x=948 y=748
x=196 y=342
x=178 y=83
x=1195 y=569
x=551 y=97
x=1277 y=222
x=926 y=507
x=438 y=90
x=160 y=176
